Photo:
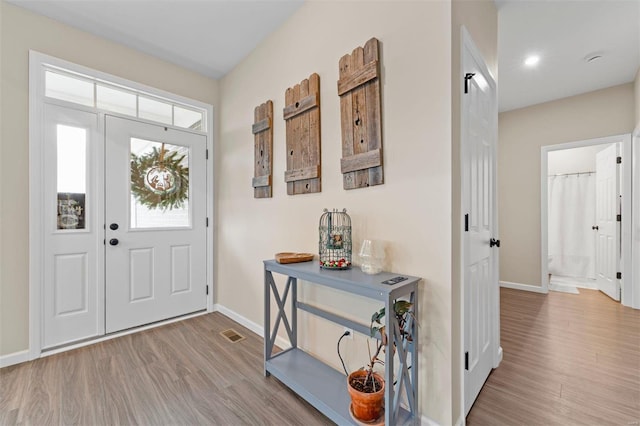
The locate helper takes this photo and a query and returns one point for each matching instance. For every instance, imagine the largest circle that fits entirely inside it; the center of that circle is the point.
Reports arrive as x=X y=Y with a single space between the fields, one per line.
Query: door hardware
x=595 y=228
x=468 y=76
x=113 y=226
x=494 y=242
x=114 y=241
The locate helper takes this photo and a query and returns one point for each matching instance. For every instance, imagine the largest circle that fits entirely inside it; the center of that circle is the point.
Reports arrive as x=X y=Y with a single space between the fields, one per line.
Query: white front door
x=155 y=217
x=608 y=239
x=480 y=256
x=73 y=296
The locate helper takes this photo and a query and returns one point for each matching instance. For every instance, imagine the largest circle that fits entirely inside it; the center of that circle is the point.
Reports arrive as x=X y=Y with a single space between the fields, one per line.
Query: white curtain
x=572 y=206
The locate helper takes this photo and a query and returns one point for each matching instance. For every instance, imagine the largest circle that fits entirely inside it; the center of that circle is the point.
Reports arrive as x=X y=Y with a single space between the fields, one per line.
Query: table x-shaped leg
x=282 y=316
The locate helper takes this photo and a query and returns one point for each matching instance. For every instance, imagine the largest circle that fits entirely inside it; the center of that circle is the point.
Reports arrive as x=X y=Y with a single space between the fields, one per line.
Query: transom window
x=94 y=93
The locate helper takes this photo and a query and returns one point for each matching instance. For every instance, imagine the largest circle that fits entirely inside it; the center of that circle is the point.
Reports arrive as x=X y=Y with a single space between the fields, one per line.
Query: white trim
x=253 y=326
x=467 y=44
x=36 y=238
x=633 y=286
x=36 y=242
x=428 y=421
x=634 y=297
x=14 y=358
x=524 y=287
x=626 y=230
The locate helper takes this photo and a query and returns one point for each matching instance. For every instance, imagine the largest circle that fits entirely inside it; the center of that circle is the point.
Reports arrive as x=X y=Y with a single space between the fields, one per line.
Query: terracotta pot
x=366 y=406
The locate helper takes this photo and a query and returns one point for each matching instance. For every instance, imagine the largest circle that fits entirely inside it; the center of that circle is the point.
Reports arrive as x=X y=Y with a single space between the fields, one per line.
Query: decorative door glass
x=71 y=183
x=159 y=185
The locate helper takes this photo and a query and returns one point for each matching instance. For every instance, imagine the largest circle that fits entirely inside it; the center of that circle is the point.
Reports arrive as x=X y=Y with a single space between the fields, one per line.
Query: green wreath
x=159 y=180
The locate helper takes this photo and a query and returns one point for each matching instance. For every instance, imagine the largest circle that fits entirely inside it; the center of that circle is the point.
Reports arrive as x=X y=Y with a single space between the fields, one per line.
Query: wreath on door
x=159 y=180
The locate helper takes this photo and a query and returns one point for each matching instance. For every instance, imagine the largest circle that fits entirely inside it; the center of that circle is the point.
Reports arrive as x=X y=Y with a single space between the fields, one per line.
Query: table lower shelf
x=320 y=385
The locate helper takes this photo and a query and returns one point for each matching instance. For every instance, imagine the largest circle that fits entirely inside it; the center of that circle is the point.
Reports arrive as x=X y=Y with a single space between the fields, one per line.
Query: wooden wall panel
x=263 y=150
x=361 y=123
x=302 y=116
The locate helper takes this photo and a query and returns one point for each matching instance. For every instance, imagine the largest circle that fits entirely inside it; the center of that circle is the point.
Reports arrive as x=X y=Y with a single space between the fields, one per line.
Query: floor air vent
x=232 y=335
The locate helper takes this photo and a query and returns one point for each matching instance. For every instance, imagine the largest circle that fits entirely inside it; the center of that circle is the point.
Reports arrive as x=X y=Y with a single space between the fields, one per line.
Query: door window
x=71 y=183
x=159 y=185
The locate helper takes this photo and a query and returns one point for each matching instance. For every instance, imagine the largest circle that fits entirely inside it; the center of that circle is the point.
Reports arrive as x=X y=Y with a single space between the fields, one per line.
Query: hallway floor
x=568 y=360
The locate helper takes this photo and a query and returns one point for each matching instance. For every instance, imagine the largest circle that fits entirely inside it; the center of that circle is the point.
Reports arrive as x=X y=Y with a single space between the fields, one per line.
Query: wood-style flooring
x=568 y=360
x=183 y=373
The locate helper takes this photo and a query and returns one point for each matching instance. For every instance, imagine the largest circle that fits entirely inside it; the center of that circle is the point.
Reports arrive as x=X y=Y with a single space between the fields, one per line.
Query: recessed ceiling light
x=532 y=60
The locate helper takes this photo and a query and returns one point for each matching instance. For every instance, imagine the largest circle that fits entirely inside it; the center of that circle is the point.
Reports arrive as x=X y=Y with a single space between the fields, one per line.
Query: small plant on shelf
x=365 y=386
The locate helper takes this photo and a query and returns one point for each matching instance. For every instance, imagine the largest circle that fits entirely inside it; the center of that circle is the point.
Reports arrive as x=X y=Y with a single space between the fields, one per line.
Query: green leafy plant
x=402 y=312
x=158 y=159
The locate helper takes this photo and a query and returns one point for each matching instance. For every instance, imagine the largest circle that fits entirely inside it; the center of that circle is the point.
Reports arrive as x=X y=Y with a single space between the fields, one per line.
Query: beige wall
x=522 y=133
x=21 y=31
x=481 y=20
x=410 y=212
x=576 y=160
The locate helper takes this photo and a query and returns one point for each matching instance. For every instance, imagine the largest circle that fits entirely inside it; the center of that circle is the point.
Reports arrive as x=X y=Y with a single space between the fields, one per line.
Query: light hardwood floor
x=568 y=360
x=184 y=373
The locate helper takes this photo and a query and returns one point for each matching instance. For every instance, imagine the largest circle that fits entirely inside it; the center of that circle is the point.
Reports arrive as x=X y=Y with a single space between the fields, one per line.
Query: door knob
x=494 y=242
x=113 y=241
x=595 y=228
x=113 y=226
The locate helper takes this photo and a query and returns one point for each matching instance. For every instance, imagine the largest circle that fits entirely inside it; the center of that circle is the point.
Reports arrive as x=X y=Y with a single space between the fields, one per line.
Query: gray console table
x=322 y=386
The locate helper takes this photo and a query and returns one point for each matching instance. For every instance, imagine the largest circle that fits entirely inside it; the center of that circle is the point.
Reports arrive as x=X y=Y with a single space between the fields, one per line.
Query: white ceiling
x=213 y=36
x=206 y=36
x=563 y=33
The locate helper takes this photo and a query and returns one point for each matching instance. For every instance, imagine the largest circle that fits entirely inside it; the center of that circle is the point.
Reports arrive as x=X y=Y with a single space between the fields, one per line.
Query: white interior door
x=608 y=237
x=480 y=257
x=73 y=300
x=155 y=253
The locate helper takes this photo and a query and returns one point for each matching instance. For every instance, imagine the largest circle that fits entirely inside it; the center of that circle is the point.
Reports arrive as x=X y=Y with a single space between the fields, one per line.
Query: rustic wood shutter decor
x=302 y=116
x=263 y=150
x=359 y=90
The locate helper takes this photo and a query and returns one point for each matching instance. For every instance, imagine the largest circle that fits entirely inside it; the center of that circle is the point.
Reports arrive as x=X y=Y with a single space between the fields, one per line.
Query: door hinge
x=468 y=76
x=466 y=222
x=206 y=154
x=619 y=160
x=619 y=275
x=466 y=361
x=207 y=222
x=619 y=218
x=207 y=290
x=104 y=242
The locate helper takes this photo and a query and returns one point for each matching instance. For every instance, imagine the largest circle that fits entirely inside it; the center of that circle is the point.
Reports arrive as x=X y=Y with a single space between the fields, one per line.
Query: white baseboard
x=14 y=358
x=255 y=327
x=525 y=287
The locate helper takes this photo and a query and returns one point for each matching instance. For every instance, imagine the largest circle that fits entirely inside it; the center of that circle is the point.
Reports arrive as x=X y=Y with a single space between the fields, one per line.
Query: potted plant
x=366 y=387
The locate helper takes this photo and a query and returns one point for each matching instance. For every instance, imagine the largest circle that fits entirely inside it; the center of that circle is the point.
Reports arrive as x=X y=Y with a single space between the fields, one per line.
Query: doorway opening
x=586 y=217
x=120 y=200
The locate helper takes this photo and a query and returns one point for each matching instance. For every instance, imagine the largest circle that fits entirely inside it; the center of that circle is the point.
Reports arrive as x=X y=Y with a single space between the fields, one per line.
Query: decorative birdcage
x=335 y=239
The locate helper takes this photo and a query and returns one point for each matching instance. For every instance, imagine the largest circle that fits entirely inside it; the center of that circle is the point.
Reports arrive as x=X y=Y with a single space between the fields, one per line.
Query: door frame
x=468 y=45
x=633 y=286
x=37 y=101
x=635 y=242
